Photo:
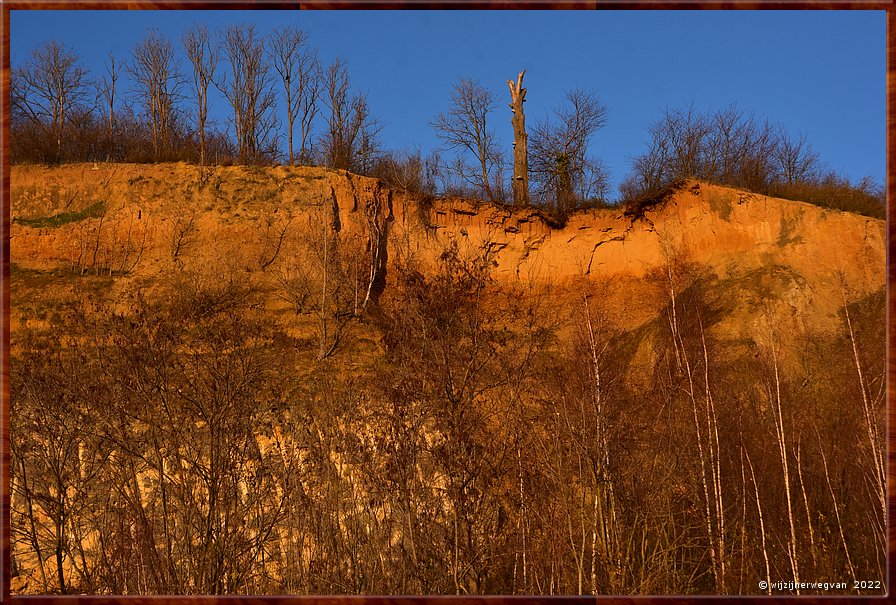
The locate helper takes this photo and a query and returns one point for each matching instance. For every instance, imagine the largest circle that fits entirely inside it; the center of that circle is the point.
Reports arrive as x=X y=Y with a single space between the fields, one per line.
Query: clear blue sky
x=821 y=73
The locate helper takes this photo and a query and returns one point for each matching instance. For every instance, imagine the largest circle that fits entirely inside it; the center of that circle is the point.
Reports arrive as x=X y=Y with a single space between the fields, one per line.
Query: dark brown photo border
x=8 y=5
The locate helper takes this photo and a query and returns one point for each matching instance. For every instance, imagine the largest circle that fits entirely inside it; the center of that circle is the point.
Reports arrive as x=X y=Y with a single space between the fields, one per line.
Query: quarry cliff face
x=606 y=317
x=138 y=221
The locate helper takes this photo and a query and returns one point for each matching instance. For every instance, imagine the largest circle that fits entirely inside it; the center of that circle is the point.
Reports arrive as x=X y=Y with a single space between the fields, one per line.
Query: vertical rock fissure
x=337 y=224
x=379 y=221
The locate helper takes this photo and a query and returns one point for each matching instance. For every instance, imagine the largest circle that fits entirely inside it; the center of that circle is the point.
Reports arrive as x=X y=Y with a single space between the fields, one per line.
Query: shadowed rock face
x=801 y=251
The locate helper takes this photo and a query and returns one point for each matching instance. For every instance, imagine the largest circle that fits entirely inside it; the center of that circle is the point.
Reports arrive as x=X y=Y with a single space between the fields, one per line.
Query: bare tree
x=725 y=147
x=183 y=234
x=157 y=78
x=50 y=89
x=757 y=167
x=560 y=159
x=250 y=93
x=796 y=162
x=309 y=97
x=647 y=174
x=520 y=142
x=106 y=88
x=687 y=144
x=296 y=64
x=871 y=405
x=339 y=139
x=272 y=240
x=728 y=147
x=410 y=172
x=203 y=56
x=465 y=127
x=351 y=139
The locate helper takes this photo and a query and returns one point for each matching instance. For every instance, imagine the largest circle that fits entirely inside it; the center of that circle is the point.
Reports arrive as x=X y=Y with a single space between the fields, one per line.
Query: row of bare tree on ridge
x=286 y=106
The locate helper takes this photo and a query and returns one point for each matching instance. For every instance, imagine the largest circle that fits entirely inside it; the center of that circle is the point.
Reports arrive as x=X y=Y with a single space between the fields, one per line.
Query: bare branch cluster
x=465 y=126
x=351 y=141
x=49 y=91
x=249 y=91
x=561 y=164
x=298 y=67
x=154 y=69
x=202 y=53
x=729 y=147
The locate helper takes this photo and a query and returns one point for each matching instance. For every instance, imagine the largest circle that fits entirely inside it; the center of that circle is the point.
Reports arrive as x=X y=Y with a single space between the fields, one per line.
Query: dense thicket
x=495 y=443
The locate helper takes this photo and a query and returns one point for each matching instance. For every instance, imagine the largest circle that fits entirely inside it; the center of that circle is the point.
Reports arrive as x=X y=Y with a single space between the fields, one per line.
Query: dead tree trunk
x=520 y=158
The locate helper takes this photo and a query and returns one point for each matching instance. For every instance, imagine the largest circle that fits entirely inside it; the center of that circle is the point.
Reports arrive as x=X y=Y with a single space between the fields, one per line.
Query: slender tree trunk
x=799 y=471
x=323 y=302
x=33 y=537
x=59 y=556
x=768 y=573
x=782 y=448
x=874 y=440
x=290 y=117
x=522 y=519
x=113 y=76
x=827 y=477
x=520 y=142
x=712 y=428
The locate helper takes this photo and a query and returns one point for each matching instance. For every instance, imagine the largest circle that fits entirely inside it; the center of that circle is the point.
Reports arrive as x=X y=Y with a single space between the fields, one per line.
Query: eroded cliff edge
x=138 y=221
